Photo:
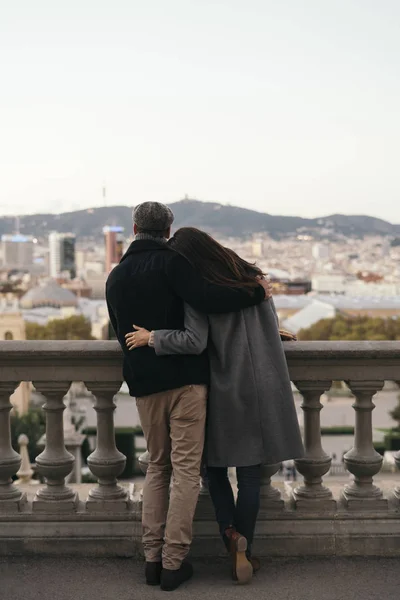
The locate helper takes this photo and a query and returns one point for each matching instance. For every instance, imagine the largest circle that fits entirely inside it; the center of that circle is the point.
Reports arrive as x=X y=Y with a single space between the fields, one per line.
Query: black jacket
x=147 y=289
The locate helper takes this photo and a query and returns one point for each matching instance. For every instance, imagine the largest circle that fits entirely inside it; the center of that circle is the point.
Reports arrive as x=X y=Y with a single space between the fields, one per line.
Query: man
x=149 y=287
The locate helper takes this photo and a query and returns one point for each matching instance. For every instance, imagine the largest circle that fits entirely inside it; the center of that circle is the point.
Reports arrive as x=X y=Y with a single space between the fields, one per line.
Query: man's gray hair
x=153 y=216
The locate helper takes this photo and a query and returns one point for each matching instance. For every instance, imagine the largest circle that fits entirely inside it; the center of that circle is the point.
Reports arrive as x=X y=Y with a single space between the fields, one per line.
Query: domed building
x=50 y=295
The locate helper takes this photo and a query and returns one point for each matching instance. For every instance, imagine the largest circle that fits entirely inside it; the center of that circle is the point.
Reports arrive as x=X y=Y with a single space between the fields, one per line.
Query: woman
x=251 y=414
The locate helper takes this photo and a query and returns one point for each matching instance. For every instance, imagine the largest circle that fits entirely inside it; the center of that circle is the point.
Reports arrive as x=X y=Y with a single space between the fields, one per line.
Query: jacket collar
x=146 y=236
x=143 y=246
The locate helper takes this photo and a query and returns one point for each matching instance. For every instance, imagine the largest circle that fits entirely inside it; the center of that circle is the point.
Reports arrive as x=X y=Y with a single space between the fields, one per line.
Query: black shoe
x=171 y=580
x=153 y=573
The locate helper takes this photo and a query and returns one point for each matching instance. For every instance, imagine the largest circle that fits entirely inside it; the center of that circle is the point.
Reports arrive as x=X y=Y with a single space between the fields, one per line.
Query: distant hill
x=215 y=218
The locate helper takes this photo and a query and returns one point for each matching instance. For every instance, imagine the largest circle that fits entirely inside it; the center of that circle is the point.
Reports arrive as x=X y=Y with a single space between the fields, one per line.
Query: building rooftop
x=16 y=238
x=278 y=274
x=112 y=229
x=338 y=301
x=50 y=294
x=296 y=302
x=92 y=309
x=361 y=302
x=310 y=314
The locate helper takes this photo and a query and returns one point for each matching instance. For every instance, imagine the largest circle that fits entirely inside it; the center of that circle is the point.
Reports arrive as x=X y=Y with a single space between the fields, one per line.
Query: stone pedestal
x=25 y=472
x=11 y=498
x=73 y=442
x=74 y=445
x=362 y=461
x=270 y=497
x=204 y=509
x=106 y=462
x=313 y=495
x=54 y=463
x=397 y=489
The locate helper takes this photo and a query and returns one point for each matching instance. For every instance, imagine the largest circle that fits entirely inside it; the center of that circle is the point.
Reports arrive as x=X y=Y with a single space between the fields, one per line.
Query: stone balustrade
x=360 y=520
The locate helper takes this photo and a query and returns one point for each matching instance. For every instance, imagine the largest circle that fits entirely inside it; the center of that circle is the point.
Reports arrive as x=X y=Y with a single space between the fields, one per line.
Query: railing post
x=11 y=498
x=270 y=496
x=106 y=462
x=315 y=463
x=362 y=460
x=204 y=509
x=397 y=489
x=54 y=463
x=204 y=489
x=396 y=494
x=25 y=471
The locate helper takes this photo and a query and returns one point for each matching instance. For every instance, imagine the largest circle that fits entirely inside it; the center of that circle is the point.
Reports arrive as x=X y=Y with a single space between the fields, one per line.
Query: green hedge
x=380 y=447
x=125 y=443
x=135 y=430
x=392 y=441
x=33 y=424
x=337 y=430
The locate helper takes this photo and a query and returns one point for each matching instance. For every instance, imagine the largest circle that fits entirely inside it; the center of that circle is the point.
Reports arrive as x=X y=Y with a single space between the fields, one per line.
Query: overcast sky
x=284 y=106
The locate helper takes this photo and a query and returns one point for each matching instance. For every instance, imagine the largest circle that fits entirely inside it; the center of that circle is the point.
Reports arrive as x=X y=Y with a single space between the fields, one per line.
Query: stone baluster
x=204 y=491
x=204 y=486
x=106 y=462
x=362 y=460
x=204 y=509
x=270 y=496
x=25 y=471
x=313 y=495
x=397 y=459
x=11 y=498
x=397 y=489
x=54 y=463
x=143 y=461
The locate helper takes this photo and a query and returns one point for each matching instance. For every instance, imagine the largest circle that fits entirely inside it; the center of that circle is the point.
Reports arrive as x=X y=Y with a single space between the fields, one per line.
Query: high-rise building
x=62 y=254
x=257 y=248
x=17 y=251
x=114 y=243
x=321 y=252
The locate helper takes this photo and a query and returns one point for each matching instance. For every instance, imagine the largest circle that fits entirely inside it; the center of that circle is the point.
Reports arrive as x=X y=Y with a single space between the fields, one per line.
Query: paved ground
x=121 y=579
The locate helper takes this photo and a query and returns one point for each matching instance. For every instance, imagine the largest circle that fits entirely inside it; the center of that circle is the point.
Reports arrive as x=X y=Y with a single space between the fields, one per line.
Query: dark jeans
x=243 y=515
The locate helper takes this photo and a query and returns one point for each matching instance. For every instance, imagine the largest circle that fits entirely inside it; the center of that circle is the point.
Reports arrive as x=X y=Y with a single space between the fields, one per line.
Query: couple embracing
x=200 y=337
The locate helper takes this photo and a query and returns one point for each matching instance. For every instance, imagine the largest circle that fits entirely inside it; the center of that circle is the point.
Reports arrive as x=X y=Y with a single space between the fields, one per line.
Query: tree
x=33 y=425
x=352 y=328
x=75 y=327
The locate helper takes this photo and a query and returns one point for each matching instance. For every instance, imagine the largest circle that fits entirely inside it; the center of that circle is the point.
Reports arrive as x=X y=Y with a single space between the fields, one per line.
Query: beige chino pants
x=173 y=424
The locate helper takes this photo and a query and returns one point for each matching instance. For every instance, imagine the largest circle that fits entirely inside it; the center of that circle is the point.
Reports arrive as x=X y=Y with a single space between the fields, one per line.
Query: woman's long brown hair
x=213 y=261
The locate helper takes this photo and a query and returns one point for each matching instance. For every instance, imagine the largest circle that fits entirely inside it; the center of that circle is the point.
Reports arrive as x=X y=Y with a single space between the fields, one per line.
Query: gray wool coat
x=251 y=413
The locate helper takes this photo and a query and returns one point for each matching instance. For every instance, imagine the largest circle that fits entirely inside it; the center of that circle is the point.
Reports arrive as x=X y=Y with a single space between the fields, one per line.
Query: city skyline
x=287 y=108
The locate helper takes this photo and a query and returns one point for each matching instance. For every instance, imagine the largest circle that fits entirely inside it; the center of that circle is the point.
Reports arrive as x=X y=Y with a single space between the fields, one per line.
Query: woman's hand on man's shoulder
x=265 y=282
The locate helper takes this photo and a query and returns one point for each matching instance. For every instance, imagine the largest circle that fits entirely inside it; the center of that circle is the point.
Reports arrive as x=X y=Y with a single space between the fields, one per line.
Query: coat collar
x=144 y=246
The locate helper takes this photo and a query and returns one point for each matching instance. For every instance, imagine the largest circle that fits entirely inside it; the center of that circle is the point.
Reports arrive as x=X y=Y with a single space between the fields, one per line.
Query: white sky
x=285 y=106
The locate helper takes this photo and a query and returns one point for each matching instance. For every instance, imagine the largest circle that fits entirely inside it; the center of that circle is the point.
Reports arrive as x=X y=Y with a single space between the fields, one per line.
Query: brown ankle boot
x=242 y=569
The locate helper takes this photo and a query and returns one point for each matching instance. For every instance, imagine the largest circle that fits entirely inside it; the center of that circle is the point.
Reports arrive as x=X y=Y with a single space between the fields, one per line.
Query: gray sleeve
x=191 y=340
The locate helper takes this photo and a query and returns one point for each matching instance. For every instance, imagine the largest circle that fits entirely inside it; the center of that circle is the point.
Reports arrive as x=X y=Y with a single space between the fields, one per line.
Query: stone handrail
x=308 y=360
x=52 y=366
x=60 y=360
